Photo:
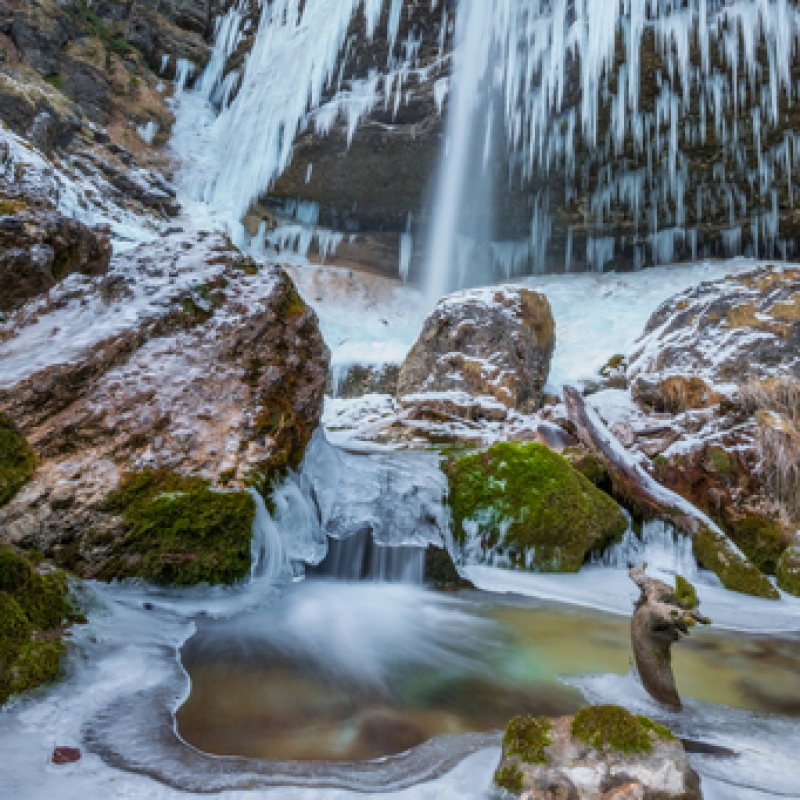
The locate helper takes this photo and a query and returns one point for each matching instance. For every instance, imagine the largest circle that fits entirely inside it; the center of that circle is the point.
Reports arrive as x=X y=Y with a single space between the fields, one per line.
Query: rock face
x=602 y=753
x=40 y=246
x=522 y=506
x=495 y=342
x=662 y=616
x=185 y=360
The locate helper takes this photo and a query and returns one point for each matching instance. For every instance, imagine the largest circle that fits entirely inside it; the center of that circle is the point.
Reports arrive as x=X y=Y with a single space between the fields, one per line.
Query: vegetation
x=17 y=460
x=34 y=608
x=616 y=728
x=761 y=539
x=527 y=738
x=180 y=531
x=685 y=593
x=737 y=574
x=528 y=501
x=509 y=778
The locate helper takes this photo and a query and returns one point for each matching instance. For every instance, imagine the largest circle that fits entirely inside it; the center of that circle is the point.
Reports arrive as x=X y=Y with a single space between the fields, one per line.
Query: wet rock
x=441 y=571
x=662 y=616
x=602 y=753
x=215 y=374
x=788 y=569
x=495 y=342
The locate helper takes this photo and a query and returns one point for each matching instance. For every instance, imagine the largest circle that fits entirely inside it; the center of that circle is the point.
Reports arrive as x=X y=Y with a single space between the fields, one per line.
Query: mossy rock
x=761 y=539
x=713 y=552
x=33 y=610
x=17 y=460
x=179 y=530
x=527 y=738
x=525 y=501
x=685 y=593
x=788 y=571
x=509 y=777
x=616 y=728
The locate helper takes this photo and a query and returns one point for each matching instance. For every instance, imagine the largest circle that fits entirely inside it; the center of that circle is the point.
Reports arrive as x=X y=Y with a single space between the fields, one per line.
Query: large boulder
x=183 y=369
x=522 y=506
x=602 y=753
x=40 y=247
x=495 y=341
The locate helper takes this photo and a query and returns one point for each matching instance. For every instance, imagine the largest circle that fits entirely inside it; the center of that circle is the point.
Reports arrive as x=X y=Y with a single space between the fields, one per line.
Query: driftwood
x=662 y=616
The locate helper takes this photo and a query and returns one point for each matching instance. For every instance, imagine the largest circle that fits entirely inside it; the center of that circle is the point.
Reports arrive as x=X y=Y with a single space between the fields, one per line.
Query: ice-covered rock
x=184 y=358
x=495 y=342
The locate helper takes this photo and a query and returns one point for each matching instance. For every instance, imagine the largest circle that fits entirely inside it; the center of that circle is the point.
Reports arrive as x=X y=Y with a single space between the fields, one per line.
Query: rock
x=496 y=341
x=662 y=616
x=441 y=571
x=86 y=82
x=40 y=30
x=41 y=247
x=66 y=755
x=441 y=405
x=213 y=375
x=716 y=335
x=602 y=753
x=17 y=460
x=520 y=505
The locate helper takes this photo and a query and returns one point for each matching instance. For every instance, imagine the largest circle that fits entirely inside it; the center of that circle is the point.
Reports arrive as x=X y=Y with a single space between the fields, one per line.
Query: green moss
x=614 y=364
x=721 y=461
x=509 y=778
x=735 y=572
x=180 y=531
x=527 y=738
x=56 y=81
x=685 y=593
x=17 y=460
x=553 y=517
x=33 y=609
x=590 y=466
x=613 y=727
x=661 y=731
x=760 y=539
x=788 y=571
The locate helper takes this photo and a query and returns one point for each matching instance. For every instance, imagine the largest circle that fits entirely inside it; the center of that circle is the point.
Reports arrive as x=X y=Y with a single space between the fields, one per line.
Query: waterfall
x=267 y=551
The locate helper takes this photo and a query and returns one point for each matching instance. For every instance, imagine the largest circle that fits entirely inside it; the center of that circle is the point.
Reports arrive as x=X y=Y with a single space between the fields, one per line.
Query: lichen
x=527 y=738
x=788 y=571
x=736 y=573
x=179 y=531
x=509 y=778
x=534 y=504
x=617 y=729
x=685 y=593
x=34 y=608
x=17 y=460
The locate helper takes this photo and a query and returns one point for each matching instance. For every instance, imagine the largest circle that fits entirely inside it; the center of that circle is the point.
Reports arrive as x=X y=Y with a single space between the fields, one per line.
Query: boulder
x=183 y=369
x=495 y=341
x=40 y=247
x=602 y=753
x=522 y=506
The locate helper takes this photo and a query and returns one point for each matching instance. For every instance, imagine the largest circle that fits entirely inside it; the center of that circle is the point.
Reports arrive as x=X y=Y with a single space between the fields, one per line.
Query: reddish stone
x=66 y=755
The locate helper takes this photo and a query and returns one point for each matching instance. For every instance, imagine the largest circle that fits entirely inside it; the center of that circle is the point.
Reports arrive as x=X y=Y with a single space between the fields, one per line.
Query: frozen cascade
x=713 y=85
x=268 y=554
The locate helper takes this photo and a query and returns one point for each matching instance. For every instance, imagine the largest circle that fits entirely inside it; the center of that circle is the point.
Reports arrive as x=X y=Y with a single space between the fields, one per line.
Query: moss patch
x=179 y=531
x=509 y=778
x=527 y=738
x=17 y=460
x=616 y=728
x=788 y=571
x=33 y=609
x=761 y=539
x=531 y=504
x=736 y=573
x=685 y=593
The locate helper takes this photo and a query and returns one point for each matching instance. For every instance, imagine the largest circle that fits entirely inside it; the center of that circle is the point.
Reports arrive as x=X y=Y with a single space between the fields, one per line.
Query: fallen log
x=646 y=497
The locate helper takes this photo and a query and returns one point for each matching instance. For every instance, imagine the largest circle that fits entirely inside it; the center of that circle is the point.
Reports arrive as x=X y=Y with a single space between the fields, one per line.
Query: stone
x=41 y=246
x=216 y=377
x=576 y=758
x=662 y=616
x=40 y=31
x=495 y=342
